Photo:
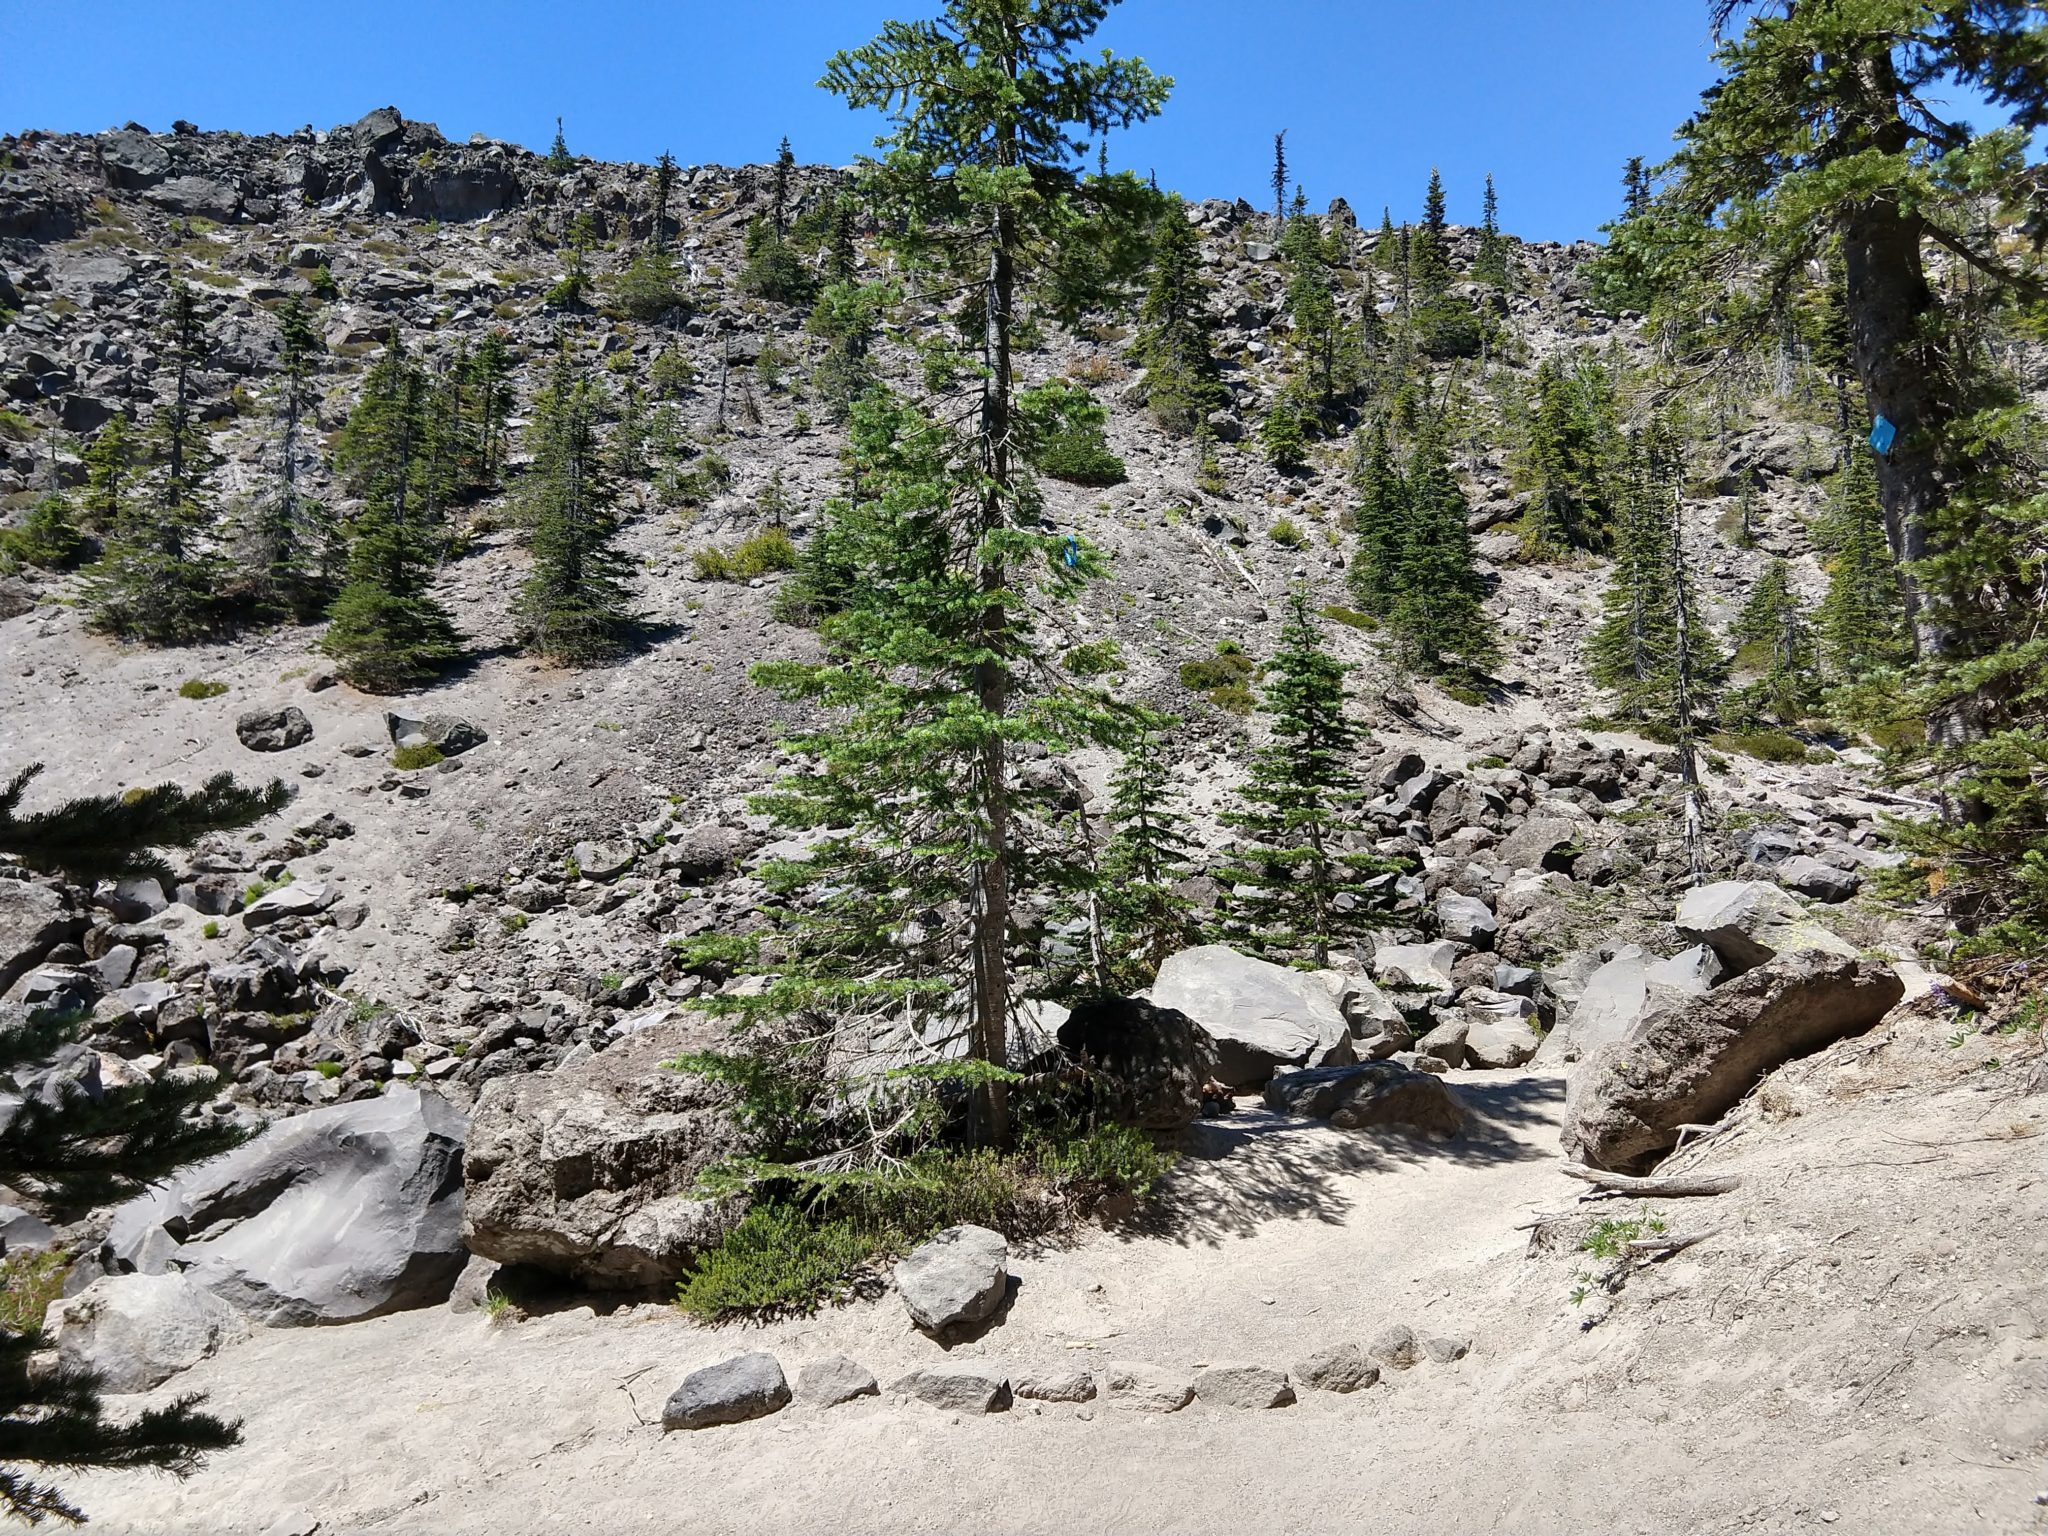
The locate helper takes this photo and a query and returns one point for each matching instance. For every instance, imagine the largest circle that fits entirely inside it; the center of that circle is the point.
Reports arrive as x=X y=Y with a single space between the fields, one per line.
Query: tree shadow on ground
x=1238 y=1174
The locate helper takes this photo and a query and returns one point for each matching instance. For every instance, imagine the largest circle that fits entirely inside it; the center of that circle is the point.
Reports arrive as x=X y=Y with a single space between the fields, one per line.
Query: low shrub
x=772 y=549
x=1287 y=534
x=1095 y=658
x=201 y=688
x=29 y=1282
x=420 y=755
x=1352 y=618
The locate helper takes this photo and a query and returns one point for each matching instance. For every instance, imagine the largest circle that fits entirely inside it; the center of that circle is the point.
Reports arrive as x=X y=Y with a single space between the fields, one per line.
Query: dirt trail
x=1282 y=1238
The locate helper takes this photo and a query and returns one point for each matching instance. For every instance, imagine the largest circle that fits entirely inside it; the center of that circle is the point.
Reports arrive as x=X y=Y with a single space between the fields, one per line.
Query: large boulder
x=1618 y=995
x=34 y=919
x=1500 y=1028
x=458 y=192
x=1541 y=842
x=132 y=160
x=1262 y=1016
x=1151 y=1062
x=273 y=730
x=587 y=1171
x=1465 y=919
x=956 y=1279
x=1693 y=1058
x=1369 y=1095
x=302 y=898
x=137 y=1331
x=1747 y=922
x=1823 y=882
x=346 y=1212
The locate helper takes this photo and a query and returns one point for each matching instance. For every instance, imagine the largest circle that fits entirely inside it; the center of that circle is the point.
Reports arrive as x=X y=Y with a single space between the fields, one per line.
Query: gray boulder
x=1499 y=1028
x=132 y=160
x=1691 y=1060
x=451 y=734
x=346 y=1212
x=302 y=898
x=586 y=1172
x=273 y=730
x=956 y=1279
x=731 y=1392
x=1396 y=1345
x=1823 y=882
x=34 y=919
x=1465 y=919
x=1747 y=922
x=138 y=1331
x=1621 y=992
x=1152 y=1062
x=1343 y=1368
x=960 y=1388
x=1370 y=1094
x=1416 y=965
x=202 y=197
x=603 y=861
x=1541 y=843
x=1244 y=1386
x=834 y=1380
x=1262 y=1016
x=1055 y=1386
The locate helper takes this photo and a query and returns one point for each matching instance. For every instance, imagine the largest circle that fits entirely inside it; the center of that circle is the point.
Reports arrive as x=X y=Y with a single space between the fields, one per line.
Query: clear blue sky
x=1548 y=95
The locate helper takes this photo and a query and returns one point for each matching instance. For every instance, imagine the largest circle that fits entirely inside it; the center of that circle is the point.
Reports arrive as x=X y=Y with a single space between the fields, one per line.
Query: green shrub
x=1770 y=746
x=1287 y=534
x=210 y=929
x=29 y=1282
x=420 y=755
x=1062 y=428
x=778 y=1258
x=1095 y=658
x=1337 y=613
x=201 y=688
x=772 y=549
x=47 y=537
x=1225 y=671
x=1233 y=698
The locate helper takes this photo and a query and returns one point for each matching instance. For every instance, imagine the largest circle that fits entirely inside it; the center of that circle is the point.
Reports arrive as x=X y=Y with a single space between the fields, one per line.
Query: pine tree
x=1636 y=652
x=1300 y=889
x=1144 y=915
x=1437 y=618
x=67 y=1152
x=1775 y=640
x=573 y=607
x=1280 y=179
x=1566 y=460
x=294 y=546
x=1635 y=188
x=1387 y=254
x=785 y=167
x=991 y=99
x=490 y=400
x=385 y=629
x=774 y=270
x=109 y=468
x=1322 y=347
x=1181 y=382
x=1490 y=265
x=1380 y=523
x=1861 y=620
x=664 y=189
x=158 y=581
x=560 y=162
x=1443 y=325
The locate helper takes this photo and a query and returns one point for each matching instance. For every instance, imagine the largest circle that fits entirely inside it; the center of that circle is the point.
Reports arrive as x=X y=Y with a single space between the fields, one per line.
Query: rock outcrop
x=1262 y=1016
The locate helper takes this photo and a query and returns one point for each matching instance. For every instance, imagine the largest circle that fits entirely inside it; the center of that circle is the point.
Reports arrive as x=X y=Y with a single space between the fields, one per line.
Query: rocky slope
x=506 y=914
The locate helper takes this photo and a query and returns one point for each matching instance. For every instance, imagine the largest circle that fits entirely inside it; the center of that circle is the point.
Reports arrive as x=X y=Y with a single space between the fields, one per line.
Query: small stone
x=963 y=1388
x=273 y=730
x=1056 y=1386
x=1396 y=1346
x=1343 y=1368
x=1443 y=1348
x=731 y=1392
x=834 y=1380
x=1244 y=1386
x=1146 y=1388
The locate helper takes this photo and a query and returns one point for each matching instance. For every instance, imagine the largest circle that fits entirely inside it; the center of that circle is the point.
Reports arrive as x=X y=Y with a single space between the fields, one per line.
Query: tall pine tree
x=1181 y=383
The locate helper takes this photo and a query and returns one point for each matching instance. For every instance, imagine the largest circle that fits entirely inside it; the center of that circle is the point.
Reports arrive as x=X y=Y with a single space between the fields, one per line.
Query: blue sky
x=1549 y=97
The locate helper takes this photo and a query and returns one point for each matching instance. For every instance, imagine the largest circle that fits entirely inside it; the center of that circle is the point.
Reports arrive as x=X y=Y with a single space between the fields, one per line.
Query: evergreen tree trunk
x=1682 y=696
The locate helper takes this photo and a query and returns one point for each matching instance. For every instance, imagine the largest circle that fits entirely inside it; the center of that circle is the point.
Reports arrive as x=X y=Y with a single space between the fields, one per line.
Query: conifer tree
x=1567 y=460
x=1437 y=617
x=664 y=189
x=1302 y=888
x=385 y=629
x=1635 y=188
x=1861 y=620
x=1150 y=852
x=1387 y=254
x=1317 y=331
x=490 y=399
x=295 y=547
x=1775 y=639
x=158 y=580
x=1181 y=383
x=560 y=162
x=1443 y=325
x=1490 y=265
x=1280 y=179
x=1380 y=522
x=109 y=468
x=573 y=606
x=773 y=269
x=1636 y=651
x=992 y=105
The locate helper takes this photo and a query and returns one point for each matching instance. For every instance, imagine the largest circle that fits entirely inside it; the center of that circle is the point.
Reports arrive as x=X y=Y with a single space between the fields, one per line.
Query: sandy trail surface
x=1280 y=1238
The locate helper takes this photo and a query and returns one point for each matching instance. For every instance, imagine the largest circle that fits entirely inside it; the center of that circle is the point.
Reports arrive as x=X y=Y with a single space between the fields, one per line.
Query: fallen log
x=1653 y=1186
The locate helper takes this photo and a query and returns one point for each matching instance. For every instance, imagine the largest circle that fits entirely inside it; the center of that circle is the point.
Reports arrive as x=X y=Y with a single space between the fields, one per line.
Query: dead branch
x=1656 y=1186
x=1671 y=1242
